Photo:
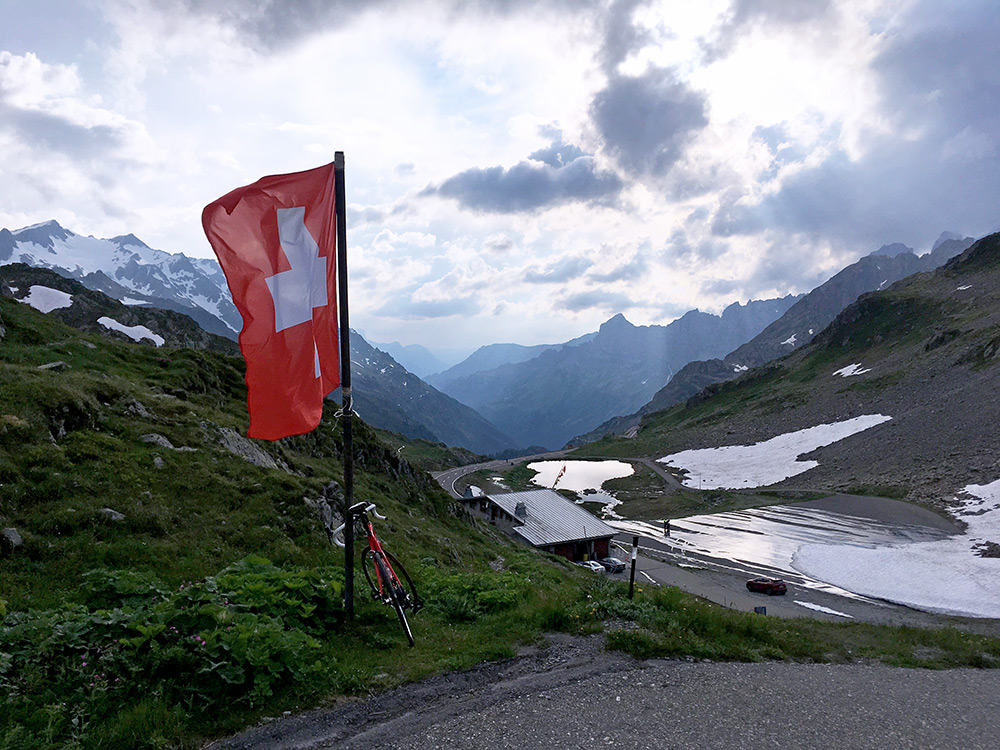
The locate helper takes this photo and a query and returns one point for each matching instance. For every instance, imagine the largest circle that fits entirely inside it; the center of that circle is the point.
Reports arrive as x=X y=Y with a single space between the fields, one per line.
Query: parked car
x=612 y=564
x=770 y=586
x=592 y=565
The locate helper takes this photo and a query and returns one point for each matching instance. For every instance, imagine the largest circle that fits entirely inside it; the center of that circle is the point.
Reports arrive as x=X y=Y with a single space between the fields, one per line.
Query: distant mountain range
x=390 y=397
x=502 y=398
x=492 y=356
x=418 y=359
x=798 y=326
x=130 y=271
x=563 y=390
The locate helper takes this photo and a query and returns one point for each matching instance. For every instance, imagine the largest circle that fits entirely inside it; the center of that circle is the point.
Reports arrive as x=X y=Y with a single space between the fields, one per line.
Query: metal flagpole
x=340 y=209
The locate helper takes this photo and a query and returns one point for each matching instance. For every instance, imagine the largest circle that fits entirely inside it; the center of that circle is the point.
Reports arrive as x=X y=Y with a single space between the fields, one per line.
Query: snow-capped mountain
x=130 y=271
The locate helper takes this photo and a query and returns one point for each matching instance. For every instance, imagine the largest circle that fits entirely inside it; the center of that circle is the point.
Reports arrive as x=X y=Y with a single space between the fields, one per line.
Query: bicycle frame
x=376 y=548
x=386 y=585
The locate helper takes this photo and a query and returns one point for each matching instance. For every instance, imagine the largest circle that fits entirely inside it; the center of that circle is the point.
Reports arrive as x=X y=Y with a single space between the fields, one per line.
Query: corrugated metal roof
x=551 y=518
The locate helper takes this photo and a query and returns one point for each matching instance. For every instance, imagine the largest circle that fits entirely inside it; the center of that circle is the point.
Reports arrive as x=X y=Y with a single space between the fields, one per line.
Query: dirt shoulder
x=408 y=710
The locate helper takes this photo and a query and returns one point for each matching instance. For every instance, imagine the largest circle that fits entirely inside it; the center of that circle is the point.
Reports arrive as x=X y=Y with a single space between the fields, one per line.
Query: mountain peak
x=44 y=234
x=891 y=251
x=945 y=237
x=617 y=323
x=129 y=239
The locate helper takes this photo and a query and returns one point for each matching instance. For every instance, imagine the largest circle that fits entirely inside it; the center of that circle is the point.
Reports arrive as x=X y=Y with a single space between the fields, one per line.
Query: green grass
x=427 y=455
x=891 y=491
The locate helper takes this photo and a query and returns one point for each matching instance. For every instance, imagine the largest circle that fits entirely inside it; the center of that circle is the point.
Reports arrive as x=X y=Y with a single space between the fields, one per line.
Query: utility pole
x=635 y=554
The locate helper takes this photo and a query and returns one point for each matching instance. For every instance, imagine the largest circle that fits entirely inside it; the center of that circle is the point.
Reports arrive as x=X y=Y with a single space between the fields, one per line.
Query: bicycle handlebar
x=337 y=535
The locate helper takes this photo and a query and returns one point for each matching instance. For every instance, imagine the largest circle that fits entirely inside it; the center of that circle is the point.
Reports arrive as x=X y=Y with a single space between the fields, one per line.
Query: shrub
x=464 y=597
x=237 y=638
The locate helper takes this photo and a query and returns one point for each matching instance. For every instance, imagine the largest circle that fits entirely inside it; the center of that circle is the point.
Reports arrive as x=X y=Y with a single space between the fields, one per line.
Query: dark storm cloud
x=596 y=298
x=940 y=84
x=646 y=121
x=530 y=186
x=621 y=35
x=942 y=69
x=277 y=24
x=629 y=271
x=557 y=155
x=559 y=272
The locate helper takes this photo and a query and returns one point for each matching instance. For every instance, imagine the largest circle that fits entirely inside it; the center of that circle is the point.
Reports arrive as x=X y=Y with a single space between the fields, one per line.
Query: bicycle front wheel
x=391 y=587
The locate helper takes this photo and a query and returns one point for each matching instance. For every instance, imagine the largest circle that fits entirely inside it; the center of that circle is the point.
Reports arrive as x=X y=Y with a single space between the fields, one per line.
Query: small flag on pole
x=559 y=476
x=276 y=241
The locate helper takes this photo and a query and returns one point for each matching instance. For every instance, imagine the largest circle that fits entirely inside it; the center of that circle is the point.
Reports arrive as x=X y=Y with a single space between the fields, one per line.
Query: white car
x=592 y=565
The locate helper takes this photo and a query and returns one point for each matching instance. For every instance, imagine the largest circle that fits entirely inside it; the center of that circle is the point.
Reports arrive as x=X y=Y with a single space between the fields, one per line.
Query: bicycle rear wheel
x=392 y=586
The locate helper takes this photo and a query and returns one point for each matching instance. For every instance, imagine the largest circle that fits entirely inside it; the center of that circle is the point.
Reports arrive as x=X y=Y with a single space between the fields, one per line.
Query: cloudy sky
x=519 y=170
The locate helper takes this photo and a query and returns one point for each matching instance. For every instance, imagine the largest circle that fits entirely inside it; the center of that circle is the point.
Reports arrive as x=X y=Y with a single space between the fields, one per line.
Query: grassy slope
x=171 y=625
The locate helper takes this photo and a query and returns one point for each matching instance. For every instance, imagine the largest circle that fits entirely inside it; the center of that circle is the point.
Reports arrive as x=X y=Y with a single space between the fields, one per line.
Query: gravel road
x=573 y=694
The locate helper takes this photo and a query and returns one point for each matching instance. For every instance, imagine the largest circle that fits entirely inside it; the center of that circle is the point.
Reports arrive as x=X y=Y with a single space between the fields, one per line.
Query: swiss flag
x=276 y=242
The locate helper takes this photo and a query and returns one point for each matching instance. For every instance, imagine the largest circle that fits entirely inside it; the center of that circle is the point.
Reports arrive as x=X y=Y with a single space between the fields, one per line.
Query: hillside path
x=571 y=693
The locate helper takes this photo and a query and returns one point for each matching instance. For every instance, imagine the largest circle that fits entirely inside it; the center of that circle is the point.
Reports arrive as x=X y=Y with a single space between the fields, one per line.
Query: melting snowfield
x=761 y=464
x=136 y=333
x=945 y=576
x=910 y=565
x=46 y=299
x=765 y=541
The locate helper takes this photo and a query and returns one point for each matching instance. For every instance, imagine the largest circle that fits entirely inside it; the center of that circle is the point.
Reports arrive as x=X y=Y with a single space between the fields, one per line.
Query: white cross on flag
x=276 y=243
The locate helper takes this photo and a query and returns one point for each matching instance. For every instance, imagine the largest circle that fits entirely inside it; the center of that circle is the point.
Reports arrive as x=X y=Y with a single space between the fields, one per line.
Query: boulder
x=10 y=540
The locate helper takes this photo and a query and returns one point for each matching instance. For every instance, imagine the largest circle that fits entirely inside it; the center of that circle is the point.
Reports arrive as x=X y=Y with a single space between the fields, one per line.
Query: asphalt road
x=678 y=705
x=573 y=694
x=448 y=477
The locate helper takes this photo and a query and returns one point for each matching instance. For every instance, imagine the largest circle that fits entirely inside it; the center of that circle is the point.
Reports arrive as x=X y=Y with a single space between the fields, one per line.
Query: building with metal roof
x=547 y=520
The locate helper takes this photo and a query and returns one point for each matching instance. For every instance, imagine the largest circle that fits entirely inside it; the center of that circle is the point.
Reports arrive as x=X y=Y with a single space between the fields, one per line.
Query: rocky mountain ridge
x=127 y=269
x=548 y=399
x=386 y=394
x=924 y=352
x=96 y=312
x=795 y=328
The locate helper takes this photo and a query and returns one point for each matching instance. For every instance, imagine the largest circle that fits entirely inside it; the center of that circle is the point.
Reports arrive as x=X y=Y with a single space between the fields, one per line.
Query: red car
x=770 y=586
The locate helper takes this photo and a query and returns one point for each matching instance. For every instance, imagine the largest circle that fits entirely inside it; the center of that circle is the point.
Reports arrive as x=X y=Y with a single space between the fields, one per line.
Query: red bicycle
x=386 y=576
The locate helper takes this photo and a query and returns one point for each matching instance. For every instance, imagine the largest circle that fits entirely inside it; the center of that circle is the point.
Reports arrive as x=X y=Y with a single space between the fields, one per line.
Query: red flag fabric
x=276 y=242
